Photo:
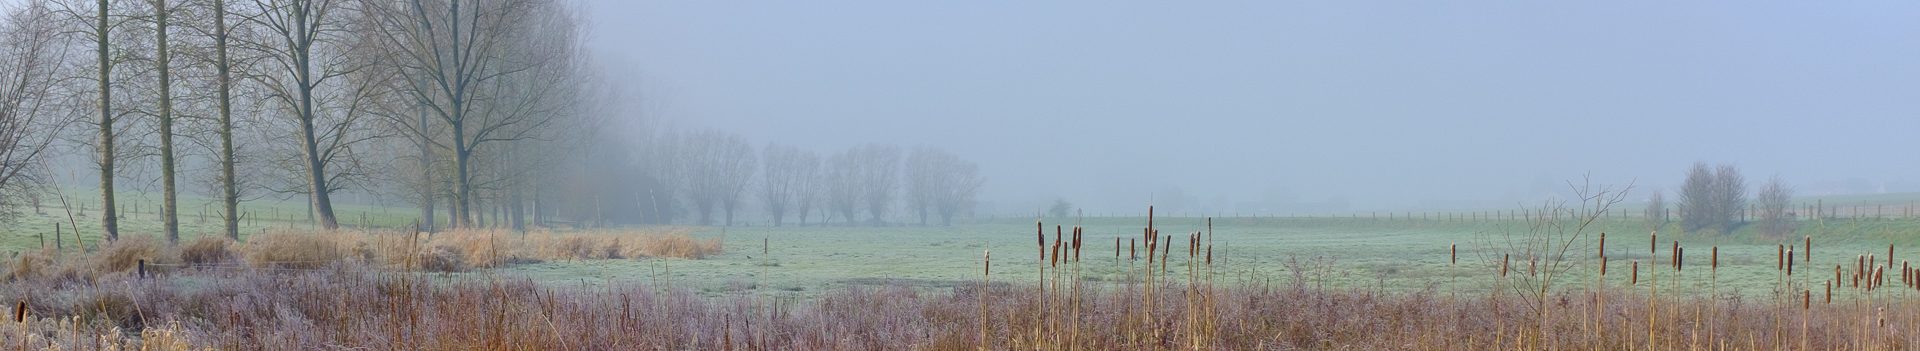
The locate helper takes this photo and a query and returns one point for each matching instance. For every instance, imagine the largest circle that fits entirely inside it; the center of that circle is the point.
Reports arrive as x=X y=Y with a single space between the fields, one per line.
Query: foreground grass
x=349 y=307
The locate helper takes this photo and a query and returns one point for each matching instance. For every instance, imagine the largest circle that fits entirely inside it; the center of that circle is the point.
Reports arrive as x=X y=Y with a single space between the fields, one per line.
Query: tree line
x=487 y=110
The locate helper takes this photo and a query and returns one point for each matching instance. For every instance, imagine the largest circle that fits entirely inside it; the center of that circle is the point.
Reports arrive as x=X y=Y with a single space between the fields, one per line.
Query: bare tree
x=30 y=118
x=785 y=175
x=877 y=167
x=307 y=52
x=1656 y=211
x=841 y=188
x=1775 y=197
x=169 y=205
x=489 y=71
x=95 y=22
x=808 y=187
x=718 y=167
x=1729 y=196
x=940 y=183
x=1712 y=198
x=1697 y=206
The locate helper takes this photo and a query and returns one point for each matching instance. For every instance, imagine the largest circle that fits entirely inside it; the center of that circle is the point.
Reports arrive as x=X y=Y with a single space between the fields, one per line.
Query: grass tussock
x=207 y=250
x=294 y=250
x=125 y=254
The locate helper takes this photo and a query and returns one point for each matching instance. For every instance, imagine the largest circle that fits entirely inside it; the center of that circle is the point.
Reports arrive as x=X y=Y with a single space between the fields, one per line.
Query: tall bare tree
x=95 y=22
x=878 y=168
x=841 y=191
x=718 y=166
x=169 y=209
x=484 y=69
x=808 y=188
x=306 y=49
x=939 y=183
x=785 y=175
x=31 y=54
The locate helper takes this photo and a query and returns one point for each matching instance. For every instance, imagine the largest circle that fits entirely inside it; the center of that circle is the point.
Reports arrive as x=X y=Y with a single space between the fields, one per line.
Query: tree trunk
x=316 y=170
x=169 y=209
x=229 y=196
x=109 y=221
x=463 y=190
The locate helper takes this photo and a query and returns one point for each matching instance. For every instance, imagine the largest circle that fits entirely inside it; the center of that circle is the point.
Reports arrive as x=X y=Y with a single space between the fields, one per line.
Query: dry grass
x=125 y=254
x=294 y=250
x=207 y=250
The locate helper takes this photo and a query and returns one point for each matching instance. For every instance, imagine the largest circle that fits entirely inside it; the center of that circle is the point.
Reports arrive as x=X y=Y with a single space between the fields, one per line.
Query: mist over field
x=871 y=175
x=1298 y=106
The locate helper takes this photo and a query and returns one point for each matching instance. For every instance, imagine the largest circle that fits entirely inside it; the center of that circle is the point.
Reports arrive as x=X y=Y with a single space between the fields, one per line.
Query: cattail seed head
x=1133 y=252
x=1653 y=242
x=1453 y=254
x=1780 y=259
x=1806 y=300
x=1679 y=258
x=1635 y=276
x=1603 y=266
x=1809 y=249
x=1209 y=254
x=1829 y=292
x=1789 y=262
x=1714 y=261
x=1603 y=244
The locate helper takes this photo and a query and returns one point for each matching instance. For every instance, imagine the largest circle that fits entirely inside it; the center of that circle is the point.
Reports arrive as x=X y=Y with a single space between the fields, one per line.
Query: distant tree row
x=715 y=173
x=458 y=100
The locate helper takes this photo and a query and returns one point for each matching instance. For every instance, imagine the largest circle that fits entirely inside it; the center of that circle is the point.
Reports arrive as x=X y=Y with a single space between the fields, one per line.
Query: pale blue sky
x=1387 y=105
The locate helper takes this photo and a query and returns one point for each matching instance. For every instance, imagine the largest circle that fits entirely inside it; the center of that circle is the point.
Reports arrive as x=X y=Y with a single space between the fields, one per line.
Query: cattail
x=1889 y=255
x=1780 y=259
x=1056 y=254
x=1653 y=242
x=1829 y=292
x=1603 y=266
x=1603 y=244
x=1675 y=253
x=988 y=255
x=1209 y=254
x=1789 y=262
x=1809 y=250
x=1806 y=300
x=1635 y=280
x=1040 y=236
x=1133 y=250
x=1116 y=248
x=1503 y=264
x=1679 y=258
x=1076 y=243
x=1453 y=254
x=1836 y=275
x=1713 y=263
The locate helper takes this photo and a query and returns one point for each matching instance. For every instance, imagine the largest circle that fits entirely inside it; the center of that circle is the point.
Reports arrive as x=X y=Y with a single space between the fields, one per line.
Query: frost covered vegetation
x=1053 y=287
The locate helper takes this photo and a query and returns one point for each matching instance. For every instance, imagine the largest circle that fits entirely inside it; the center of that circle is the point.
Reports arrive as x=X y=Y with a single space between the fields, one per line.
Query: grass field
x=1356 y=251
x=1335 y=253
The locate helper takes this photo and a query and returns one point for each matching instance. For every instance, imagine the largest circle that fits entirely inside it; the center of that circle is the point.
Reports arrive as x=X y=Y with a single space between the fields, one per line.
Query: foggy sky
x=1378 y=105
